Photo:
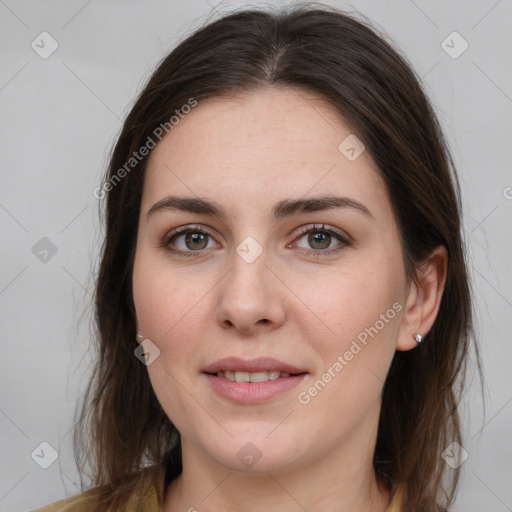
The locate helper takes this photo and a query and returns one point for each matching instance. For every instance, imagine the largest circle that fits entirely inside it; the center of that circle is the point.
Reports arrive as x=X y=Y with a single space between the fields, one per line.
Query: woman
x=283 y=307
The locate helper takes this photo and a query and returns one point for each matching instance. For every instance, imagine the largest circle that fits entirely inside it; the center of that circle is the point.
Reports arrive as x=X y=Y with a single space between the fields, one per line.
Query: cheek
x=168 y=311
x=352 y=303
x=164 y=301
x=353 y=362
x=360 y=316
x=174 y=311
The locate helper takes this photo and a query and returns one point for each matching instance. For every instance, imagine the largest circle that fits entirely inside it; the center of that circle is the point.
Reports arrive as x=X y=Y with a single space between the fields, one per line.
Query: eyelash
x=317 y=253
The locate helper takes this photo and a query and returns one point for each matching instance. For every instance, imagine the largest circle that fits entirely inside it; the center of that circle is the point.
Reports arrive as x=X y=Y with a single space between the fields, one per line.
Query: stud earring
x=140 y=336
x=418 y=337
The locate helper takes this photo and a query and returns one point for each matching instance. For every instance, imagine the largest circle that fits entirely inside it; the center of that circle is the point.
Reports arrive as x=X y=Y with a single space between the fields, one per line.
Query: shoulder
x=144 y=499
x=79 y=503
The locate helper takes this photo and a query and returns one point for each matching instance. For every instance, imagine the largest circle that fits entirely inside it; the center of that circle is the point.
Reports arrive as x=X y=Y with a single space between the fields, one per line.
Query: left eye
x=320 y=239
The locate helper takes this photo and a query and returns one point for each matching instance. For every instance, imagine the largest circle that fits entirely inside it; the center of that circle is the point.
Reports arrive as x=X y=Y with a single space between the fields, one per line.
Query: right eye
x=188 y=241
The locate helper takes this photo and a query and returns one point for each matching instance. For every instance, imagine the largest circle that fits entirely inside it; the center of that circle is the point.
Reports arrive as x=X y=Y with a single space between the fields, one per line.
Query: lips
x=254 y=381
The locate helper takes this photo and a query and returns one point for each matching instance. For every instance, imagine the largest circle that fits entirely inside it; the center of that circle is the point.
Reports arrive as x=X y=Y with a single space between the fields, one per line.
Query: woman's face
x=268 y=282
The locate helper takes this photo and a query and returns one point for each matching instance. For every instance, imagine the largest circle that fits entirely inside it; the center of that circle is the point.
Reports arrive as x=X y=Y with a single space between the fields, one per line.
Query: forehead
x=258 y=147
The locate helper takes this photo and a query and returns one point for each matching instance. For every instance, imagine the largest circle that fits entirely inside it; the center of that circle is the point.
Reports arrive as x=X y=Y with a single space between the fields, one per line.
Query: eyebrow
x=280 y=210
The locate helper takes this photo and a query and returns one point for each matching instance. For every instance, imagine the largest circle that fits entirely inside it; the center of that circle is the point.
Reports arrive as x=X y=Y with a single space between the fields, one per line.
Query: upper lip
x=259 y=364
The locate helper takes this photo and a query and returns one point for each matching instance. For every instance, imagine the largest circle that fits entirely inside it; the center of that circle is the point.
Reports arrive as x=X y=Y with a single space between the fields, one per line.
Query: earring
x=140 y=336
x=418 y=337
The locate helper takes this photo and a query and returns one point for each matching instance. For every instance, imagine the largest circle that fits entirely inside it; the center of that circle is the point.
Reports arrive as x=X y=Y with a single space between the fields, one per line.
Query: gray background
x=60 y=116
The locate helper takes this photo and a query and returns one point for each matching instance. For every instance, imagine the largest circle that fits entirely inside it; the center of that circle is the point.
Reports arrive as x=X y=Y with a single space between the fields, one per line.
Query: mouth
x=261 y=369
x=263 y=376
x=252 y=381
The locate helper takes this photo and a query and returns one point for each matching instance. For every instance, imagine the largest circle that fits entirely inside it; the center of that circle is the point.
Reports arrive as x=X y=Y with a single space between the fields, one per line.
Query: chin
x=253 y=454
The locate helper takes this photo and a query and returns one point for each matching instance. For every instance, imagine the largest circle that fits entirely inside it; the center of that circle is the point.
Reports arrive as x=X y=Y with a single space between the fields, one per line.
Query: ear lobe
x=139 y=337
x=424 y=298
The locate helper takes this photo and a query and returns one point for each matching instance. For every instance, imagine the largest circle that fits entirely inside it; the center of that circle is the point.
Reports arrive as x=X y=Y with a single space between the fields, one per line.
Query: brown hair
x=123 y=428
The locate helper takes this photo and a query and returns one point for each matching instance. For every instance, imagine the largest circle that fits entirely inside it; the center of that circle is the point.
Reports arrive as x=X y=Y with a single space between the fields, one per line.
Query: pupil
x=194 y=238
x=319 y=238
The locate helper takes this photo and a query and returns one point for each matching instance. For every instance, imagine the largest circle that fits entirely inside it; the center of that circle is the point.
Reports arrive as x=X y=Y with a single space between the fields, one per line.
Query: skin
x=247 y=153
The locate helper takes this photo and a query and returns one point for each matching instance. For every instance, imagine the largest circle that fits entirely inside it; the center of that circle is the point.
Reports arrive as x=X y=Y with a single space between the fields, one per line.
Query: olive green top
x=144 y=499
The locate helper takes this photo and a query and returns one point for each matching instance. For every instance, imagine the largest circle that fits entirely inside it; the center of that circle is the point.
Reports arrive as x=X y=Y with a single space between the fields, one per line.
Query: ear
x=423 y=299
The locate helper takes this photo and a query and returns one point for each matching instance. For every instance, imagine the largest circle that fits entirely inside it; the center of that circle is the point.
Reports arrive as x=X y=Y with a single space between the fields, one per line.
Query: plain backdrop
x=60 y=114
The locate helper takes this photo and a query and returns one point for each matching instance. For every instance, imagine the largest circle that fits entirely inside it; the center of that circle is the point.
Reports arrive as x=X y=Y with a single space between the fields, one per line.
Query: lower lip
x=253 y=392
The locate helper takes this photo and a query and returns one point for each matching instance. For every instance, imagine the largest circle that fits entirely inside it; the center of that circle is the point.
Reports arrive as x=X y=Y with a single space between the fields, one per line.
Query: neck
x=322 y=486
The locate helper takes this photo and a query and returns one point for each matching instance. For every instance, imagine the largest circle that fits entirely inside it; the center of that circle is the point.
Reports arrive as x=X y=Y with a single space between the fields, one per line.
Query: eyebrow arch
x=280 y=210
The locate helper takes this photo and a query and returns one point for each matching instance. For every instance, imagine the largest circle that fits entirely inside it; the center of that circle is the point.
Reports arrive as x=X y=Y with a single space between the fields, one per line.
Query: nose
x=251 y=297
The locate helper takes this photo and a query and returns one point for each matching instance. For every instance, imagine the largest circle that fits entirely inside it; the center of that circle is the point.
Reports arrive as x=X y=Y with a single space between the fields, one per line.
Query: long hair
x=123 y=432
